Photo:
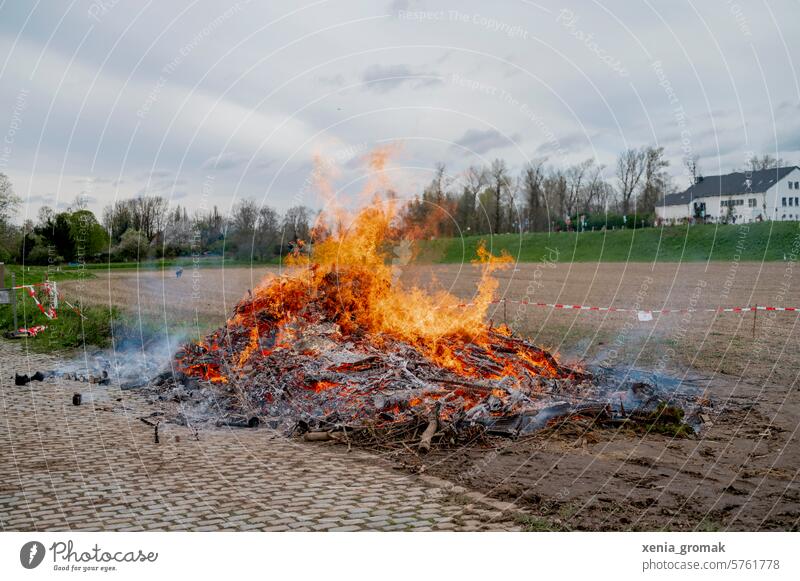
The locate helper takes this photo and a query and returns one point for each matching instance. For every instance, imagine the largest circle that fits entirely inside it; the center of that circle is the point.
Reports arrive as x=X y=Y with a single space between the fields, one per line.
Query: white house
x=770 y=194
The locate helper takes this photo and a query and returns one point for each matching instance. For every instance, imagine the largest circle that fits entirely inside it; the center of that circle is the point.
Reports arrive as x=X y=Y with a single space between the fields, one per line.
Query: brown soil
x=740 y=473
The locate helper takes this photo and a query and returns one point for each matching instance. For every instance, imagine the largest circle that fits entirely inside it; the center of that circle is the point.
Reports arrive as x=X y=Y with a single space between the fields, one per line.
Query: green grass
x=185 y=261
x=36 y=274
x=766 y=241
x=68 y=331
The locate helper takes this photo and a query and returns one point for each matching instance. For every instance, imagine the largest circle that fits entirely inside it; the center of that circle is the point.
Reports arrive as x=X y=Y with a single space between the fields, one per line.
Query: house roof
x=729 y=184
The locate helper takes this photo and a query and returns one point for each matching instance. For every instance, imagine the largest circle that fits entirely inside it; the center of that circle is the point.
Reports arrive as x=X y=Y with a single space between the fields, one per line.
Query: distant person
x=179 y=272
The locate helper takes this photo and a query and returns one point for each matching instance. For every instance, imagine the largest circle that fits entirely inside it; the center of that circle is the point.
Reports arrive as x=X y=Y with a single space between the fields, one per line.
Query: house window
x=751 y=202
x=797 y=185
x=791 y=201
x=796 y=200
x=783 y=201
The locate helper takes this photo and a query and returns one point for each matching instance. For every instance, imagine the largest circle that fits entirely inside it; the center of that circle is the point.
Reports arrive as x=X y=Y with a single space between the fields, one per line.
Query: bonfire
x=338 y=345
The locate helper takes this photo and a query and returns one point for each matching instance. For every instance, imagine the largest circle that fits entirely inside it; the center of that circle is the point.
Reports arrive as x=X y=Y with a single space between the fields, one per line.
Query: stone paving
x=97 y=467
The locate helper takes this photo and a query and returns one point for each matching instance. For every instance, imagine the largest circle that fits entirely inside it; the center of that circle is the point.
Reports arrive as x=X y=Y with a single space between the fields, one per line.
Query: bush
x=132 y=246
x=40 y=255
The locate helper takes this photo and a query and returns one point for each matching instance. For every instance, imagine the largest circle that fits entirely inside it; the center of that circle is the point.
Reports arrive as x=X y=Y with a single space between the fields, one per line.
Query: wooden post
x=755 y=312
x=14 y=300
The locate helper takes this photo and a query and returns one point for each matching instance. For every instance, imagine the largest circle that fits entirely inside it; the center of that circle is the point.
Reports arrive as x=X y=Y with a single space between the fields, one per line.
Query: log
x=322 y=436
x=433 y=424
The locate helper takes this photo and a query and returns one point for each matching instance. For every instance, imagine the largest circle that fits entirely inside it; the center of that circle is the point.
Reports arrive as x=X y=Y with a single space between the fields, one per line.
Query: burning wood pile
x=336 y=348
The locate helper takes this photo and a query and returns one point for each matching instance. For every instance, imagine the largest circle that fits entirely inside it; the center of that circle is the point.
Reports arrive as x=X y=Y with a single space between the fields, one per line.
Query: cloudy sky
x=205 y=102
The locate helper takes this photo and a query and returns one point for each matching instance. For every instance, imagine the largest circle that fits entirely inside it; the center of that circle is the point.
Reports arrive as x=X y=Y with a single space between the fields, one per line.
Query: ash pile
x=327 y=387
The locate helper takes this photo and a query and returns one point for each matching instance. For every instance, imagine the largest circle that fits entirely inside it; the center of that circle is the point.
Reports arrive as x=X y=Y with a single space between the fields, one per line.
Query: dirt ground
x=740 y=473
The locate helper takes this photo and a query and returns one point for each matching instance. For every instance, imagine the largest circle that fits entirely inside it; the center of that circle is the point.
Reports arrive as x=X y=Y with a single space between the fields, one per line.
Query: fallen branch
x=322 y=436
x=433 y=424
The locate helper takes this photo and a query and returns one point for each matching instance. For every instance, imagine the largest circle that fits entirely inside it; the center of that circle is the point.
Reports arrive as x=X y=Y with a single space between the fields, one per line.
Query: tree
x=118 y=219
x=692 y=164
x=555 y=191
x=296 y=224
x=88 y=236
x=596 y=191
x=177 y=237
x=242 y=228
x=9 y=202
x=209 y=229
x=575 y=176
x=71 y=235
x=655 y=178
x=474 y=182
x=44 y=215
x=630 y=166
x=766 y=161
x=532 y=179
x=148 y=214
x=57 y=235
x=500 y=183
x=267 y=237
x=131 y=246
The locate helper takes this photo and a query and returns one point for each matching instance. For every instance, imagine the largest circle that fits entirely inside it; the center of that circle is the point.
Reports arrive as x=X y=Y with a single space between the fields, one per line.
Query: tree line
x=480 y=200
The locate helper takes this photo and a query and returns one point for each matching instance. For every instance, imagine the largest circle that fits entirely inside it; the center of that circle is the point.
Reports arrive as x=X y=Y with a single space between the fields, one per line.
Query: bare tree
x=296 y=224
x=500 y=185
x=147 y=214
x=267 y=235
x=655 y=178
x=532 y=179
x=555 y=191
x=630 y=166
x=596 y=190
x=474 y=182
x=766 y=161
x=81 y=202
x=575 y=176
x=46 y=214
x=241 y=229
x=692 y=164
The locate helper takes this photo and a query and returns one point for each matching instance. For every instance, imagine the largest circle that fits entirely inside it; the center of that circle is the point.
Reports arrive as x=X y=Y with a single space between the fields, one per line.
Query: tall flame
x=349 y=275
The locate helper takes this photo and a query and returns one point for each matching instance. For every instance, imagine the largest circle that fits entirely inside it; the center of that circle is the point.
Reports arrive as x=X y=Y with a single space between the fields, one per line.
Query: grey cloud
x=385 y=78
x=92 y=180
x=484 y=140
x=224 y=161
x=568 y=143
x=44 y=199
x=156 y=173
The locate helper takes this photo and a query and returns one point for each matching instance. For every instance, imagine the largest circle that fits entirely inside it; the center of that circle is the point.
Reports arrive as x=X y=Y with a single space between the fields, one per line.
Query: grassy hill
x=766 y=241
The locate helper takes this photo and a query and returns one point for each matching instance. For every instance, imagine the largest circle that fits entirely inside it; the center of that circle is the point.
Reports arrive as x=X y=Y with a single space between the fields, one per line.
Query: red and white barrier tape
x=31 y=331
x=49 y=312
x=49 y=287
x=631 y=310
